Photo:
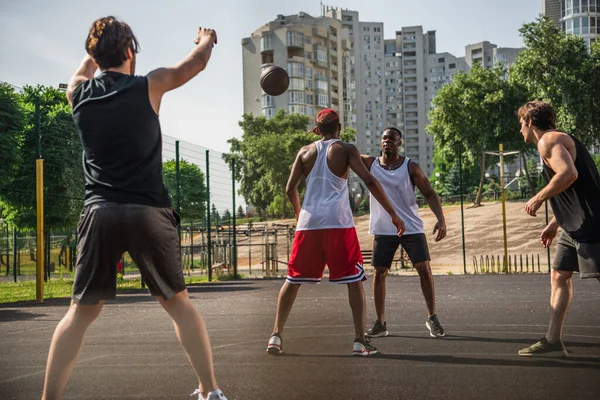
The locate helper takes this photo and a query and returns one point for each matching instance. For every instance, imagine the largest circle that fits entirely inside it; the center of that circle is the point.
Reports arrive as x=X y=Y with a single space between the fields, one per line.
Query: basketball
x=274 y=80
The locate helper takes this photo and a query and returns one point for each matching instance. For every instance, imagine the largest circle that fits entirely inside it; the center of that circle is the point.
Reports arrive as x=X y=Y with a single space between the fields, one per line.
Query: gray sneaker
x=377 y=330
x=543 y=348
x=434 y=326
x=214 y=395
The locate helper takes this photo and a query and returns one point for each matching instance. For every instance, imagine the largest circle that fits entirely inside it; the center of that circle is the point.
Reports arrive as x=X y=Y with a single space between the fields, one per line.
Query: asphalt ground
x=131 y=351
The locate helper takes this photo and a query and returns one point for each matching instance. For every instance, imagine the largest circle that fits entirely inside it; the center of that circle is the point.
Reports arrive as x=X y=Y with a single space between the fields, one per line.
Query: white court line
x=43 y=370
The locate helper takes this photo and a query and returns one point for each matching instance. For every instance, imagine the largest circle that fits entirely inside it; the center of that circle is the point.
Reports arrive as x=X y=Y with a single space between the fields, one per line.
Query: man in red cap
x=325 y=233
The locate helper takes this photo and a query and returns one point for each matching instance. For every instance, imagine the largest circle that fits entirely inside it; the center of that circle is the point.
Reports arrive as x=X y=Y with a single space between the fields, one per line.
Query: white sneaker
x=363 y=348
x=214 y=395
x=275 y=346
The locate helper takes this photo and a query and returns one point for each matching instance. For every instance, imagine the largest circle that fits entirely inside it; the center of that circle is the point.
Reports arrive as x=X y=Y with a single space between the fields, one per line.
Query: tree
x=214 y=215
x=265 y=153
x=192 y=188
x=557 y=68
x=61 y=150
x=227 y=216
x=472 y=114
x=240 y=212
x=11 y=130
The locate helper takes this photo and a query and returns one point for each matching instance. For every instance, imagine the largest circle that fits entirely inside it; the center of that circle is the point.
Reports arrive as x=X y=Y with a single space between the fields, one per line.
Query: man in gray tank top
x=573 y=190
x=399 y=176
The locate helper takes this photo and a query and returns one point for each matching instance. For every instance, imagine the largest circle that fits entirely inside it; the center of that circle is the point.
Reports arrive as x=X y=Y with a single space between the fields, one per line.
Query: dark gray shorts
x=384 y=248
x=148 y=234
x=574 y=256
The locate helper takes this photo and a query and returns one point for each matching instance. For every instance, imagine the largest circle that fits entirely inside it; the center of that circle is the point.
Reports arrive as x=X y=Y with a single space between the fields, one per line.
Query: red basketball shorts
x=336 y=248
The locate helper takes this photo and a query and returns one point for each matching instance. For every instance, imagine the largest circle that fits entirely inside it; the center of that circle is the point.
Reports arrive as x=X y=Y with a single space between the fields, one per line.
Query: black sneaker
x=434 y=326
x=543 y=348
x=363 y=348
x=377 y=330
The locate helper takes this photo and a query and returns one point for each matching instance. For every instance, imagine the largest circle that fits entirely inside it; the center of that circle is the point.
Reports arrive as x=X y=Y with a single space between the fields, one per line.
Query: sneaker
x=377 y=330
x=363 y=348
x=214 y=395
x=434 y=326
x=543 y=348
x=275 y=346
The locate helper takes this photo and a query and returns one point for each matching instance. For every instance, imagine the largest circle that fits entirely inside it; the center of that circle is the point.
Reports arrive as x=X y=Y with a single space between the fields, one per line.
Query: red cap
x=327 y=115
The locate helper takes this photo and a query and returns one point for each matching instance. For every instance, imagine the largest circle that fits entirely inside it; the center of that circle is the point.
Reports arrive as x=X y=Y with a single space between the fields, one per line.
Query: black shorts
x=148 y=234
x=575 y=256
x=384 y=248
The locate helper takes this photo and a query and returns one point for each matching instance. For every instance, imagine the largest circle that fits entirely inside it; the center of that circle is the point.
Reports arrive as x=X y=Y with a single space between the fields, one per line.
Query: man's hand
x=533 y=205
x=206 y=34
x=397 y=221
x=440 y=228
x=548 y=234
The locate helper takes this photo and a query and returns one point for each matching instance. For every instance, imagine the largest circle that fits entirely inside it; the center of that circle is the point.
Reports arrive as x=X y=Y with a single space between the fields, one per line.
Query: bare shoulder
x=554 y=138
x=414 y=167
x=307 y=150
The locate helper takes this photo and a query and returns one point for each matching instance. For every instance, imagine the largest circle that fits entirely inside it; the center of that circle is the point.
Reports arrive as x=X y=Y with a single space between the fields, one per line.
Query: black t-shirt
x=122 y=141
x=577 y=209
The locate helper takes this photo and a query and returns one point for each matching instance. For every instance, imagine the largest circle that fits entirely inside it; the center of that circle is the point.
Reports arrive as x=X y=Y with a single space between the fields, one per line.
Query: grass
x=61 y=288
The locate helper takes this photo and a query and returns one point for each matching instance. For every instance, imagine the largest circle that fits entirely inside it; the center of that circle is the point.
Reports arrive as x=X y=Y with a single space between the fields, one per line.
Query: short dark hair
x=329 y=128
x=108 y=41
x=396 y=130
x=540 y=114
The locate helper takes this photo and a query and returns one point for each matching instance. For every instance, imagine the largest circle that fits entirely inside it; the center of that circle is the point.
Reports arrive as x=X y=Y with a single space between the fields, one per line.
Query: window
x=296 y=69
x=577 y=26
x=296 y=84
x=308 y=40
x=268 y=101
x=584 y=6
x=367 y=38
x=377 y=39
x=309 y=84
x=585 y=25
x=321 y=56
x=308 y=73
x=269 y=112
x=323 y=100
x=296 y=97
x=410 y=53
x=309 y=111
x=295 y=39
x=309 y=98
x=265 y=43
x=322 y=85
x=308 y=54
x=451 y=66
x=366 y=29
x=296 y=109
x=441 y=60
x=575 y=6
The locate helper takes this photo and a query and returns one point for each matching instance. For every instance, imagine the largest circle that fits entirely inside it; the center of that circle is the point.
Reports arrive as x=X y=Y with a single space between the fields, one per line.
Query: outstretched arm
x=162 y=80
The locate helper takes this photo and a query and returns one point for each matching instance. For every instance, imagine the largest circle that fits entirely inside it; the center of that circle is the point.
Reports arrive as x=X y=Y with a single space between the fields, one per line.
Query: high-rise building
x=314 y=51
x=577 y=17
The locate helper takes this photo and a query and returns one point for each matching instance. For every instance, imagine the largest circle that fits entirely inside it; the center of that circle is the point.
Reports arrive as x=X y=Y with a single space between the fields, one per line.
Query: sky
x=42 y=42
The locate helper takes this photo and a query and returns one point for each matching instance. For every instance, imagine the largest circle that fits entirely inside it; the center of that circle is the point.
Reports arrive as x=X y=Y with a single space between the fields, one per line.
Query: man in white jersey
x=399 y=176
x=325 y=233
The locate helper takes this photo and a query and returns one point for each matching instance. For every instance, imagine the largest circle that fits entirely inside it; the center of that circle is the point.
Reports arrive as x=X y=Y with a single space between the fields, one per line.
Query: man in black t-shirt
x=126 y=206
x=573 y=190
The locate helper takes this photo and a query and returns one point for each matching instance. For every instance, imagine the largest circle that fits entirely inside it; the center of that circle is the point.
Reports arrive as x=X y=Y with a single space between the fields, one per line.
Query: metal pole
x=208 y=227
x=462 y=213
x=7 y=250
x=503 y=194
x=234 y=212
x=15 y=255
x=178 y=184
x=39 y=174
x=548 y=249
x=192 y=242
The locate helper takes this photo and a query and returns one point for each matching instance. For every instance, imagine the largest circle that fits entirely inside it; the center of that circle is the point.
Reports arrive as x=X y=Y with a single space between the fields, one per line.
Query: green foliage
x=11 y=131
x=61 y=150
x=240 y=212
x=192 y=189
x=278 y=207
x=215 y=218
x=264 y=156
x=557 y=68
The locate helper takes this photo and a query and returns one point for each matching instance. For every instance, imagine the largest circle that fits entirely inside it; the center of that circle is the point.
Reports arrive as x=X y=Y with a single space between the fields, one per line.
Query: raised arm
x=357 y=165
x=85 y=72
x=424 y=186
x=162 y=80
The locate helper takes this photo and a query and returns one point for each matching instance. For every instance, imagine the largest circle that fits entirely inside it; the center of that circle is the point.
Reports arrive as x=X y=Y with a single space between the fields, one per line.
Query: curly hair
x=108 y=41
x=540 y=114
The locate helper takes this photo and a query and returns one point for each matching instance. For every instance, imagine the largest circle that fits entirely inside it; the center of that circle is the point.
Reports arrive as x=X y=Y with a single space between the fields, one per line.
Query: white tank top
x=400 y=190
x=326 y=203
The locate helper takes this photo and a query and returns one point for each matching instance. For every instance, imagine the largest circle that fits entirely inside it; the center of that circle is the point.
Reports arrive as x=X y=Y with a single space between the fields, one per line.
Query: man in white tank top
x=399 y=176
x=325 y=233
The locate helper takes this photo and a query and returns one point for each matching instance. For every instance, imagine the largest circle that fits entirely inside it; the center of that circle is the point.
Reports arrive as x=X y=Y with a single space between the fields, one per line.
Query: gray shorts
x=578 y=257
x=148 y=234
x=384 y=248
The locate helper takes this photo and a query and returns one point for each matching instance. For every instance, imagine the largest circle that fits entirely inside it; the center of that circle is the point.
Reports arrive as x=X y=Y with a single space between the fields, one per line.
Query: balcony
x=266 y=43
x=296 y=59
x=333 y=53
x=319 y=31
